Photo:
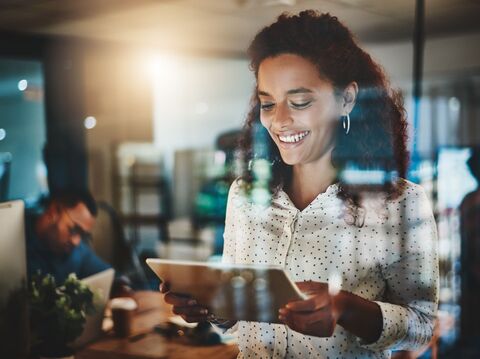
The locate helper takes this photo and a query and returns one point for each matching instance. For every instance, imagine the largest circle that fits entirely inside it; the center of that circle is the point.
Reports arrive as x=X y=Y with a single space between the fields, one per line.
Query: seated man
x=58 y=236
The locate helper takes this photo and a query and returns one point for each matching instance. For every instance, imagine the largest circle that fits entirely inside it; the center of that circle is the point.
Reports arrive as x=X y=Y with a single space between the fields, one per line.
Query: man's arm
x=90 y=263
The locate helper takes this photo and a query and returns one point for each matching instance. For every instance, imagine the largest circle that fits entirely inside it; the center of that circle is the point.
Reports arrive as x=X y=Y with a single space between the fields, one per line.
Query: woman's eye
x=266 y=106
x=300 y=105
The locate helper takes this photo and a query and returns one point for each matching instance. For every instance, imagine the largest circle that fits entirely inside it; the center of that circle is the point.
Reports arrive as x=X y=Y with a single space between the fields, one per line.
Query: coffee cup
x=123 y=309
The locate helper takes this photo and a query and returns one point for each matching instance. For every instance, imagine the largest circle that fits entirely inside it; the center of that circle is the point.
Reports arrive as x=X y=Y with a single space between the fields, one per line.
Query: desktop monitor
x=5 y=166
x=13 y=282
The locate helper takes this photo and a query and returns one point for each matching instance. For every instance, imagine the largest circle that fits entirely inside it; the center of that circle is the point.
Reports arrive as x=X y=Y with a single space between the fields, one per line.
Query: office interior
x=142 y=102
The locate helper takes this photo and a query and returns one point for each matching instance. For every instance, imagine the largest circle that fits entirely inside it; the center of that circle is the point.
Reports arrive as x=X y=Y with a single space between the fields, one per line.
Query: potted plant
x=57 y=314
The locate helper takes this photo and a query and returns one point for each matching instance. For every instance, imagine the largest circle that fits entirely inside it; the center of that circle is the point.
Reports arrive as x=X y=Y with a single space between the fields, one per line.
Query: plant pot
x=46 y=352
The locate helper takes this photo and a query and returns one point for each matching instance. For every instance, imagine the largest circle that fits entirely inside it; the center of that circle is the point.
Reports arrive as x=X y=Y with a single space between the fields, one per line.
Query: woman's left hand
x=315 y=316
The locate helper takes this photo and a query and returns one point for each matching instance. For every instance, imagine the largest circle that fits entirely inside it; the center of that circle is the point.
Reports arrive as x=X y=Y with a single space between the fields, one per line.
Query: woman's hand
x=184 y=306
x=315 y=316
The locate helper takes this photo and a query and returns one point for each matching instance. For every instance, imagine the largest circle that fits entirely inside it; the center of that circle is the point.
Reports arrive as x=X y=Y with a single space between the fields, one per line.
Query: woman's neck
x=309 y=180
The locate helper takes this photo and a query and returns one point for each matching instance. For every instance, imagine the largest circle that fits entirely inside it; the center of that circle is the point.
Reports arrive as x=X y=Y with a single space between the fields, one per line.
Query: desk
x=144 y=343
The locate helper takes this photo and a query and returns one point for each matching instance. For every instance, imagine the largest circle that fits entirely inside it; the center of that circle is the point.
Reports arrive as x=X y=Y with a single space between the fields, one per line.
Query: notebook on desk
x=100 y=284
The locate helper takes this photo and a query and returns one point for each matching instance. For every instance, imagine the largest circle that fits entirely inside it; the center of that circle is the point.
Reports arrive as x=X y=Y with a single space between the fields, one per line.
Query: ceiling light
x=22 y=85
x=90 y=122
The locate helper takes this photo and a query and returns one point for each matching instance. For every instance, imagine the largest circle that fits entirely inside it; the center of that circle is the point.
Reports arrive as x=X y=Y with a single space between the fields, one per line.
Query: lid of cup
x=126 y=303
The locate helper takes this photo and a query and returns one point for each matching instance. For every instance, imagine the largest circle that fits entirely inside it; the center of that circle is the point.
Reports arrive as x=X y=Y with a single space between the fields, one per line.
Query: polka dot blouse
x=388 y=256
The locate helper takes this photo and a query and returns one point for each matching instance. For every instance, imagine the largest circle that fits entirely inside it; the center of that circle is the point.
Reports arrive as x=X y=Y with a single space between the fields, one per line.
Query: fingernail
x=192 y=302
x=281 y=317
x=203 y=311
x=211 y=317
x=282 y=311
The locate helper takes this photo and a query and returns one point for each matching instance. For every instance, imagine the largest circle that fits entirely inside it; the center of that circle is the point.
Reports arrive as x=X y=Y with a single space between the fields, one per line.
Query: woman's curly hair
x=378 y=134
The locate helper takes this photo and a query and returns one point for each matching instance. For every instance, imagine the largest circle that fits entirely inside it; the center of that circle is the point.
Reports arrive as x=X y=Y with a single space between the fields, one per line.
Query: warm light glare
x=90 y=122
x=22 y=85
x=165 y=69
x=3 y=134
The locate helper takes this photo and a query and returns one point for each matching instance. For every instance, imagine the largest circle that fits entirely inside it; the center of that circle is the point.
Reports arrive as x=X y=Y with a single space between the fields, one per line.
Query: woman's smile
x=291 y=140
x=295 y=137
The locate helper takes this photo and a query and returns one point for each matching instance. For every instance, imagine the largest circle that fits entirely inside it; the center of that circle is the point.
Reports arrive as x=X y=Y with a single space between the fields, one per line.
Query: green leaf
x=57 y=314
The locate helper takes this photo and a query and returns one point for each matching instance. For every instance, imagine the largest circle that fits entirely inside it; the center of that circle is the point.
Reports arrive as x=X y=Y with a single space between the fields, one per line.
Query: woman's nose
x=282 y=116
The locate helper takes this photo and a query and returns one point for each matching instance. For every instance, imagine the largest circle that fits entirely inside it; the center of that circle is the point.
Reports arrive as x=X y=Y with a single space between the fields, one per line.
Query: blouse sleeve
x=229 y=233
x=228 y=327
x=411 y=275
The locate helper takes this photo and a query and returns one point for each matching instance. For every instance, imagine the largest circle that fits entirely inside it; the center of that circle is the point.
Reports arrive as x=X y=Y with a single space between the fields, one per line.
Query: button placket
x=289 y=228
x=284 y=243
x=281 y=331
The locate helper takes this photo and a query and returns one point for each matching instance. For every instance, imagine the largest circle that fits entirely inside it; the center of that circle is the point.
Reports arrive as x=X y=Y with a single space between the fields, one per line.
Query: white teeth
x=293 y=138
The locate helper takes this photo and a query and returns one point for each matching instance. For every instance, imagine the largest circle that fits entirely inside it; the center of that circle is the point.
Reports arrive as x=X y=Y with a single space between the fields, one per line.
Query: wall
x=450 y=108
x=196 y=99
x=118 y=95
x=444 y=56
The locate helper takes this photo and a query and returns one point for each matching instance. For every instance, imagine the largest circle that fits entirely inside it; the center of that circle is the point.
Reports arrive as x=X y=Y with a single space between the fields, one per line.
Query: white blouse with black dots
x=391 y=259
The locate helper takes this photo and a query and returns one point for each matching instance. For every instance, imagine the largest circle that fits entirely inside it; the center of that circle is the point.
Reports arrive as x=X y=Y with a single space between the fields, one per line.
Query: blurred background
x=142 y=102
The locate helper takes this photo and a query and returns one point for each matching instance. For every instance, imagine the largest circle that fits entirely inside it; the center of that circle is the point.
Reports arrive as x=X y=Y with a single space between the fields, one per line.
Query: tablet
x=231 y=291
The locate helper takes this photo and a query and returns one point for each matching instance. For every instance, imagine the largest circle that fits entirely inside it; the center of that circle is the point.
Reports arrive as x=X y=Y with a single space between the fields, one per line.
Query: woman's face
x=298 y=108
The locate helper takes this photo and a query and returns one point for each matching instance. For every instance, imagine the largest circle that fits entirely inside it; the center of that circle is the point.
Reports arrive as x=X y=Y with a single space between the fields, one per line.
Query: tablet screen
x=230 y=291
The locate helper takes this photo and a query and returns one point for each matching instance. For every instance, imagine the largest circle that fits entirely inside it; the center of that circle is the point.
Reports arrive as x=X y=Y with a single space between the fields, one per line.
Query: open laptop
x=100 y=284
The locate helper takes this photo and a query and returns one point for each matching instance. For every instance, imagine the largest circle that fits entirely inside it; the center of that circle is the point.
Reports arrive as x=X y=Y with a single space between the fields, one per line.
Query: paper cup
x=123 y=310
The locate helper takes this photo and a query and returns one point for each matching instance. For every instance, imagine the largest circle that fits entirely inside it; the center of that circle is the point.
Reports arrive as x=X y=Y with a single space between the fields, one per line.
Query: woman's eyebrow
x=263 y=93
x=299 y=90
x=289 y=92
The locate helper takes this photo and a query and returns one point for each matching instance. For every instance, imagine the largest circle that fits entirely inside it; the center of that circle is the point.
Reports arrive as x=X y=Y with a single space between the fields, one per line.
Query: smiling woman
x=367 y=260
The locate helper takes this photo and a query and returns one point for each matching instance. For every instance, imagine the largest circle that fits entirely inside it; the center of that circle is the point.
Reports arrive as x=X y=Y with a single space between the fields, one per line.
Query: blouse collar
x=323 y=200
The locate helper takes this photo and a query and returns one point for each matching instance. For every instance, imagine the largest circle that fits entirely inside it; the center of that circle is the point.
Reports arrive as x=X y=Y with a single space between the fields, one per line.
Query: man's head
x=68 y=218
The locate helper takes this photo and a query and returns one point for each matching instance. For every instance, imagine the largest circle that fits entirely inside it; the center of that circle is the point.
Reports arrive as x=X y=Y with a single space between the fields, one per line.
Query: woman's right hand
x=185 y=306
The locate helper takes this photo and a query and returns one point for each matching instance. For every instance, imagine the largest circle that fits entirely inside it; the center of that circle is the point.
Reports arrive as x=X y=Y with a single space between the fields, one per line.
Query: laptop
x=13 y=282
x=100 y=284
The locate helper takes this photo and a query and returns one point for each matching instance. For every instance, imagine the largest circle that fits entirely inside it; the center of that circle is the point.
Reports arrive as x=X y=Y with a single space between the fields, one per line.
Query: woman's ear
x=350 y=97
x=54 y=211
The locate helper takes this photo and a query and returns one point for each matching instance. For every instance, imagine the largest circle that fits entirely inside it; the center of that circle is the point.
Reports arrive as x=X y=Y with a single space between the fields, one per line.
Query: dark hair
x=474 y=163
x=378 y=134
x=70 y=198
